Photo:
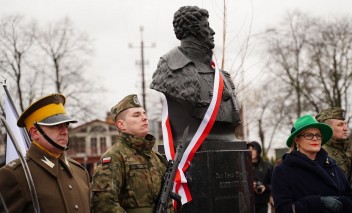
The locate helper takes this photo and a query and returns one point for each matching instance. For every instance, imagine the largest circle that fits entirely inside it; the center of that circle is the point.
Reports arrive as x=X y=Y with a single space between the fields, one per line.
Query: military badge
x=56 y=98
x=106 y=160
x=135 y=100
x=343 y=114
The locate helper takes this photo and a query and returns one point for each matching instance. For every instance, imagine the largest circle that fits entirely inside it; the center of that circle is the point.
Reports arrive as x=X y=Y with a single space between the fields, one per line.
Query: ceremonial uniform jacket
x=298 y=182
x=341 y=152
x=62 y=185
x=128 y=177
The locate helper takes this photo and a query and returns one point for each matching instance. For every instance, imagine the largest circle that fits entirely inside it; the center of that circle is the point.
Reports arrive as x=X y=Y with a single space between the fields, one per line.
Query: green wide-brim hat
x=307 y=121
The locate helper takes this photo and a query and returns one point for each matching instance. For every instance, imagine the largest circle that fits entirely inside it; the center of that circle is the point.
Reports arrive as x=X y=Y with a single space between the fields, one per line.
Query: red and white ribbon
x=180 y=186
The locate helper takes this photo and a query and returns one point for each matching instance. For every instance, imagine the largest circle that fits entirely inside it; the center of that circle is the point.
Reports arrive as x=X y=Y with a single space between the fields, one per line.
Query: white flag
x=11 y=118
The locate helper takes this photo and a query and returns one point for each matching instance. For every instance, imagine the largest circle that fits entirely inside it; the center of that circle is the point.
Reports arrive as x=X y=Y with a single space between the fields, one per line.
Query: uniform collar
x=46 y=161
x=341 y=145
x=142 y=145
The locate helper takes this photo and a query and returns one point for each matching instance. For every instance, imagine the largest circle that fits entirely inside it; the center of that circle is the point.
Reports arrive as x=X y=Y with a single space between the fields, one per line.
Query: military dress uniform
x=61 y=184
x=128 y=177
x=57 y=189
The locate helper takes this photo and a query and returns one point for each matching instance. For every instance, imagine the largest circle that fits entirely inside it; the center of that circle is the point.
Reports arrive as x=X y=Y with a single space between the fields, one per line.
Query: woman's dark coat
x=299 y=182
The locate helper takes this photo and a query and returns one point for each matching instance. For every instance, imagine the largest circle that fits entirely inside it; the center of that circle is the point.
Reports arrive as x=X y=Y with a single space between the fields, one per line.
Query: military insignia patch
x=56 y=98
x=48 y=162
x=106 y=160
x=12 y=163
x=135 y=100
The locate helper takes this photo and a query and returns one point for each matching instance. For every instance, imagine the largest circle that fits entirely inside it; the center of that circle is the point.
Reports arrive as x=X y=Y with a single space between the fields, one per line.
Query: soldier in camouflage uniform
x=129 y=175
x=338 y=147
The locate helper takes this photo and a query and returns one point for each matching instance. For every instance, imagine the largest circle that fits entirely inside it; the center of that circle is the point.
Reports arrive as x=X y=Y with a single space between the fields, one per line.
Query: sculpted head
x=192 y=22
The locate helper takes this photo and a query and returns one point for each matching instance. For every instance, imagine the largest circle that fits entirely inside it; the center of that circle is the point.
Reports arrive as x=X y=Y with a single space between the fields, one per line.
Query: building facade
x=90 y=140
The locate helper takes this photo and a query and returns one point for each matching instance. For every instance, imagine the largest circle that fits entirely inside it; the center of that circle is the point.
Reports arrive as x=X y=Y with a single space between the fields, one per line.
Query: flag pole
x=26 y=170
x=24 y=133
x=3 y=204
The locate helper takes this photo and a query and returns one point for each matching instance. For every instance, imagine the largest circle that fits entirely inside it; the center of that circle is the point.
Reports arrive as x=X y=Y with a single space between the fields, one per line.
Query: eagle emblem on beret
x=135 y=100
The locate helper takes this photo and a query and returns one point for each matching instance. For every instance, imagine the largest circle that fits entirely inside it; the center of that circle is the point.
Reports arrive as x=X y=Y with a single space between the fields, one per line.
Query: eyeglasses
x=310 y=136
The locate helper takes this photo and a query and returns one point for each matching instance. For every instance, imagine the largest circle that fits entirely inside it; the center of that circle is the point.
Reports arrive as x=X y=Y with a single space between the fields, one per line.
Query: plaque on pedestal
x=220 y=180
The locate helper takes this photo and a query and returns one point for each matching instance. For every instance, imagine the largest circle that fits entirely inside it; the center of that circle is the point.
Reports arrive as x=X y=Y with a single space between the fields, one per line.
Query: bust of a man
x=185 y=75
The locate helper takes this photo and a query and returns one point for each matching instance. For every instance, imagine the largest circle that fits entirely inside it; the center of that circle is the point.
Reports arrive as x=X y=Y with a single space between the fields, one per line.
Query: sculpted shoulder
x=177 y=76
x=175 y=59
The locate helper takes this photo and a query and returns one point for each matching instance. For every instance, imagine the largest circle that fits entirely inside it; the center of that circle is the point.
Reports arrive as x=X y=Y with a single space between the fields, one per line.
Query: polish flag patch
x=106 y=160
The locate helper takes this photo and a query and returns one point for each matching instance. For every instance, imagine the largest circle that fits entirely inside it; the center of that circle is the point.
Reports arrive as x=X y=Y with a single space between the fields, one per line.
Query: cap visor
x=57 y=119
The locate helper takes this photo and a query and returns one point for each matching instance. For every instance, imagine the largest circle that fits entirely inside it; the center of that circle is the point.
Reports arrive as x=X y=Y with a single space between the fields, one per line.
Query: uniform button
x=70 y=187
x=76 y=207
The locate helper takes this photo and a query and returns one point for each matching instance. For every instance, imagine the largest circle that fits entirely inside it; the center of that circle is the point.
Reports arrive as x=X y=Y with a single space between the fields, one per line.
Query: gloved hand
x=331 y=204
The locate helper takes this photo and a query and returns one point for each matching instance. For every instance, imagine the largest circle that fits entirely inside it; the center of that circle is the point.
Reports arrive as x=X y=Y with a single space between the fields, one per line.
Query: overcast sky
x=114 y=24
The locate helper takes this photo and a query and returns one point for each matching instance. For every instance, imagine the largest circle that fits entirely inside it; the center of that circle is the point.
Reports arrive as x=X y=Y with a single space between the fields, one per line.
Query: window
x=93 y=146
x=102 y=145
x=78 y=145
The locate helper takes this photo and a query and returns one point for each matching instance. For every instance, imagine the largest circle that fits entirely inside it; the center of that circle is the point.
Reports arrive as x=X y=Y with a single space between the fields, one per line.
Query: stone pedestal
x=220 y=179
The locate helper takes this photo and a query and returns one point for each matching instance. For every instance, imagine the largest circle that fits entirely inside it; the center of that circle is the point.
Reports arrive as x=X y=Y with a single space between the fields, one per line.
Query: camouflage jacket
x=128 y=177
x=341 y=152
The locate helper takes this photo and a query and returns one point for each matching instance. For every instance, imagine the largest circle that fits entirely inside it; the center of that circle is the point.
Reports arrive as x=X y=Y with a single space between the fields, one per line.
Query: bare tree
x=331 y=55
x=63 y=45
x=267 y=112
x=67 y=52
x=43 y=60
x=16 y=41
x=314 y=61
x=288 y=47
x=310 y=69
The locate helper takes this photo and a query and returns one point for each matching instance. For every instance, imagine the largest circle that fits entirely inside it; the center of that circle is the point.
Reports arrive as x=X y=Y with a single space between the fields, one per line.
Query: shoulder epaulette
x=75 y=163
x=14 y=164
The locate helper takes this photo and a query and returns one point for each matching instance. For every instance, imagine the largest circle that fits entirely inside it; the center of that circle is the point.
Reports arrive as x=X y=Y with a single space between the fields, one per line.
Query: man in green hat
x=338 y=147
x=129 y=175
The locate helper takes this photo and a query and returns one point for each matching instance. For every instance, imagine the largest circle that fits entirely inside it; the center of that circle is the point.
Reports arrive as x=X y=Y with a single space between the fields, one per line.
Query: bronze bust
x=186 y=77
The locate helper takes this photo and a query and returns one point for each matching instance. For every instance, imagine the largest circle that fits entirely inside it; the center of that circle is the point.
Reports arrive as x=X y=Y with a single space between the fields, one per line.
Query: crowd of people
x=313 y=176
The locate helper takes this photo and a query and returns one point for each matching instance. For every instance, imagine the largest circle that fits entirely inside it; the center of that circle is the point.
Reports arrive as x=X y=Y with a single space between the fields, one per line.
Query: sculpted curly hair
x=187 y=18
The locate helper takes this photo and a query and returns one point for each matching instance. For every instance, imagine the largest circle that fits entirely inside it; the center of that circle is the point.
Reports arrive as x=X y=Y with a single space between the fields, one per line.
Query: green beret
x=127 y=102
x=331 y=113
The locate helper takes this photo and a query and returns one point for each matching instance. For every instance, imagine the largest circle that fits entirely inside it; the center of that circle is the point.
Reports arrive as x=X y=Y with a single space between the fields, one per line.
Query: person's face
x=339 y=128
x=134 y=122
x=308 y=146
x=254 y=153
x=206 y=33
x=58 y=133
